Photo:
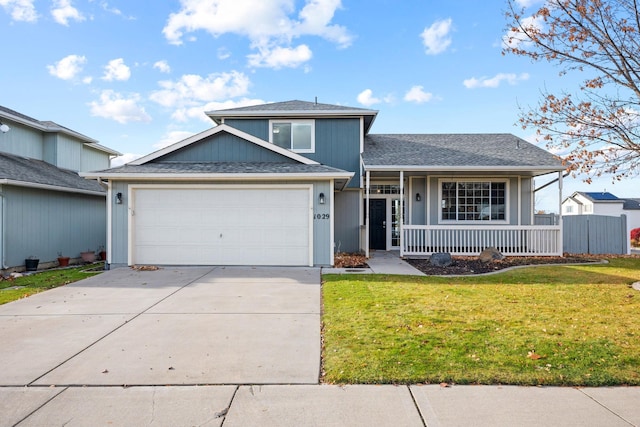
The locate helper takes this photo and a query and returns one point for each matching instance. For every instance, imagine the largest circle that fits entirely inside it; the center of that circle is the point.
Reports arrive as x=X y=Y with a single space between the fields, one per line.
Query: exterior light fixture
x=118 y=198
x=418 y=198
x=321 y=198
x=4 y=128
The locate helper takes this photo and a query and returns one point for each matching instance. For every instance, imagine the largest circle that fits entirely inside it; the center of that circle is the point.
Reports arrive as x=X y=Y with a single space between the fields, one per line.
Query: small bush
x=635 y=237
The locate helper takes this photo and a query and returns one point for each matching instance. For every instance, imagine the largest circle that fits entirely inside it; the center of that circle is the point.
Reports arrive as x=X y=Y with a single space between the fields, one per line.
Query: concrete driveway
x=173 y=326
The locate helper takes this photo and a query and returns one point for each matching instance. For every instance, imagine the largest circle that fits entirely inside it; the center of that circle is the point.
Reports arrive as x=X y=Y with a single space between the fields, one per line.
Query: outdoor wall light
x=418 y=198
x=321 y=198
x=4 y=128
x=118 y=198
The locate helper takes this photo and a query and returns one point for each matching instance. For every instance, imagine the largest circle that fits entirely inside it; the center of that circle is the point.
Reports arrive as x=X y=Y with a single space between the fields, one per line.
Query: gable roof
x=457 y=152
x=217 y=129
x=49 y=126
x=25 y=172
x=294 y=109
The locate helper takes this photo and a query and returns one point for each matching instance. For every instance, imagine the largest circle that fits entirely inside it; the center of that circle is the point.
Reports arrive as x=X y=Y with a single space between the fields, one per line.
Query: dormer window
x=295 y=135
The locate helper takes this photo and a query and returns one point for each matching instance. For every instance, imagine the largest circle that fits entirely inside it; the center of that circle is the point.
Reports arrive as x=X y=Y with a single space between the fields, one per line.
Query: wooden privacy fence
x=595 y=234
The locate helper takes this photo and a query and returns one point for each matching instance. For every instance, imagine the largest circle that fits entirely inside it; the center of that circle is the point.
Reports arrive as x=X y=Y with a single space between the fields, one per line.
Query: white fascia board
x=45 y=127
x=216 y=176
x=103 y=148
x=292 y=113
x=417 y=168
x=223 y=128
x=50 y=187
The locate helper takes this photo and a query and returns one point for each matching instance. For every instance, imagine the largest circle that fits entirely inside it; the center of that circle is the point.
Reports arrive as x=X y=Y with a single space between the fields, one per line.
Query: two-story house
x=602 y=203
x=46 y=208
x=291 y=183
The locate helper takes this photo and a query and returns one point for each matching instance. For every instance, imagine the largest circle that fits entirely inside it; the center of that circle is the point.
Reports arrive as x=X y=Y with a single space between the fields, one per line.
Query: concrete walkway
x=231 y=347
x=380 y=262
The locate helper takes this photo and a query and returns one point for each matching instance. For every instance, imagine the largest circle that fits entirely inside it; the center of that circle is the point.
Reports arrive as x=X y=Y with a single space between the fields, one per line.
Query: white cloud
x=116 y=107
x=366 y=98
x=68 y=67
x=494 y=82
x=513 y=38
x=418 y=95
x=116 y=70
x=172 y=137
x=198 y=112
x=280 y=57
x=125 y=158
x=20 y=10
x=436 y=37
x=63 y=11
x=270 y=25
x=527 y=3
x=162 y=66
x=223 y=53
x=192 y=88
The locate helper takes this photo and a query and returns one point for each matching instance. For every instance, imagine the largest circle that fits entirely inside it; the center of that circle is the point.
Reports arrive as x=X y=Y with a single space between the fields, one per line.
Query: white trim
x=507 y=207
x=368 y=191
x=50 y=187
x=218 y=176
x=215 y=114
x=332 y=234
x=134 y=187
x=109 y=222
x=217 y=129
x=298 y=121
x=519 y=200
x=401 y=220
x=450 y=169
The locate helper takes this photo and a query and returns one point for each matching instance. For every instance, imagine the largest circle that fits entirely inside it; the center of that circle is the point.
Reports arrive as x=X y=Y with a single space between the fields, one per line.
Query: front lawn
x=560 y=325
x=21 y=287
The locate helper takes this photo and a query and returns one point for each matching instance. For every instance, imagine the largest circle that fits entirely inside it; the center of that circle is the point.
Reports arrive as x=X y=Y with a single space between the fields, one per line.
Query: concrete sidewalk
x=380 y=262
x=319 y=405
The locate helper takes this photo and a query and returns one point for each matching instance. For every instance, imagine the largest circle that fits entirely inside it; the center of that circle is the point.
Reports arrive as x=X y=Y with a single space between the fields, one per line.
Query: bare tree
x=597 y=127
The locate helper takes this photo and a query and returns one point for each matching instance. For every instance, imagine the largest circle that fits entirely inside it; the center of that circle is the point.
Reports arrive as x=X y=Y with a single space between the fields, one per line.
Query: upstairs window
x=294 y=135
x=473 y=200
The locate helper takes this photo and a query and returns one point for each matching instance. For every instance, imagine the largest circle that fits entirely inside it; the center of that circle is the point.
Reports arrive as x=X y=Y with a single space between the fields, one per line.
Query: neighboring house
x=291 y=183
x=602 y=203
x=45 y=206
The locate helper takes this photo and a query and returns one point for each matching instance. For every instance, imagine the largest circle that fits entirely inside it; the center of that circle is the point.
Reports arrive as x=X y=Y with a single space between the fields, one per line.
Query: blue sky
x=138 y=75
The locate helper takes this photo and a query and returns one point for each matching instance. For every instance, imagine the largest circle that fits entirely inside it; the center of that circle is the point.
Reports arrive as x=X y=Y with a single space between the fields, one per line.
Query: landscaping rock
x=441 y=259
x=490 y=254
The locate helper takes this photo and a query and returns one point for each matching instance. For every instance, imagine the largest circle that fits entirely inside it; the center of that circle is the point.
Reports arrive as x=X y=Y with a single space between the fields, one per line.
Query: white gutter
x=3 y=228
x=50 y=187
x=453 y=169
x=216 y=176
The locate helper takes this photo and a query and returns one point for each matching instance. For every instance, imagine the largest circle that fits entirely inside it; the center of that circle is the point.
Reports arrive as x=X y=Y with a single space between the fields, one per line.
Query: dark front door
x=377 y=224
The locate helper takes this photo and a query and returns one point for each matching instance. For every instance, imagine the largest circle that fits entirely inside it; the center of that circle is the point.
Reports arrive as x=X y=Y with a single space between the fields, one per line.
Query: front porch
x=419 y=214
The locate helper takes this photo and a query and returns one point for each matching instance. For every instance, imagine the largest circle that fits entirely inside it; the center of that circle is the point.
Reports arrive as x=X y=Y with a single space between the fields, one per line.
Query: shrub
x=635 y=237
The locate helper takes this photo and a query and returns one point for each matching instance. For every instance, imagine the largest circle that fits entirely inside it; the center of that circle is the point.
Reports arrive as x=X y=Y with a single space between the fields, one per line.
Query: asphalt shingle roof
x=294 y=105
x=33 y=171
x=222 y=167
x=455 y=150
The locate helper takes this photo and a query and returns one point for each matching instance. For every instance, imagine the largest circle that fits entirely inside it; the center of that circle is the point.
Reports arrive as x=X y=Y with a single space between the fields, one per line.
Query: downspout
x=401 y=222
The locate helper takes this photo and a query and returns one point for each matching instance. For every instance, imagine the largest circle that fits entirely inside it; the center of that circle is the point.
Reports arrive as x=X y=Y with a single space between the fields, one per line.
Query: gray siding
x=338 y=145
x=337 y=142
x=419 y=209
x=22 y=141
x=256 y=127
x=42 y=223
x=93 y=160
x=69 y=153
x=120 y=227
x=347 y=221
x=224 y=147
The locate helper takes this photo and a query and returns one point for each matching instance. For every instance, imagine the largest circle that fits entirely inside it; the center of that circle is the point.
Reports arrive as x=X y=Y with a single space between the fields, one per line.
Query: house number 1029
x=321 y=216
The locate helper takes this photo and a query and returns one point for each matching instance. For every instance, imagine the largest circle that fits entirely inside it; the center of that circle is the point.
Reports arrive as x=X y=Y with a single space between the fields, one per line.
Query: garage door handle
x=384 y=224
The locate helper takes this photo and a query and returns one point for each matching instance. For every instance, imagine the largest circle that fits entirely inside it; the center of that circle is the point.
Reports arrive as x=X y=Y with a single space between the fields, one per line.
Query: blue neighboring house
x=292 y=183
x=46 y=208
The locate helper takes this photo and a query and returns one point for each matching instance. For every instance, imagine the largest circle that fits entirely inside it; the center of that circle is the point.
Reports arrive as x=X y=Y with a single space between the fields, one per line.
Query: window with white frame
x=568 y=209
x=294 y=135
x=463 y=200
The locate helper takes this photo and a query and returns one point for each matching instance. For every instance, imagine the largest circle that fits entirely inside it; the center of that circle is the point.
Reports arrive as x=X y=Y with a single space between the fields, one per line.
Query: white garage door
x=221 y=226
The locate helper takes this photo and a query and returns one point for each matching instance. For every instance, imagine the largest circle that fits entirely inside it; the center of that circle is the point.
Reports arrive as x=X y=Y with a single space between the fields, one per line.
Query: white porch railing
x=518 y=240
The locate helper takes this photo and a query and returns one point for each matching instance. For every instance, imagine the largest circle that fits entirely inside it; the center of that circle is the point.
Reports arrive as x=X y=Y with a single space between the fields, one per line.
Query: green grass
x=41 y=281
x=561 y=325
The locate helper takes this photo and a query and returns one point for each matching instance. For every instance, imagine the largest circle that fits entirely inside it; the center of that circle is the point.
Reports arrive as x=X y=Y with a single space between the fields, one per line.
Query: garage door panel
x=214 y=226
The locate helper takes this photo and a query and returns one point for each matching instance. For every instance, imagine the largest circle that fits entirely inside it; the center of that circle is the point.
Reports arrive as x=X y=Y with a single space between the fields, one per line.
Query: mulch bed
x=471 y=265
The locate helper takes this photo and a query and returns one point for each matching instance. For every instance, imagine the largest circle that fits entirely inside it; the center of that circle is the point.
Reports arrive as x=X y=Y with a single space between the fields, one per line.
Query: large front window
x=294 y=135
x=473 y=200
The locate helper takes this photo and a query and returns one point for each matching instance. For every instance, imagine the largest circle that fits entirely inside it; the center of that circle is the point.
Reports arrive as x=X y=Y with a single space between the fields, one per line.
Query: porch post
x=366 y=215
x=560 y=248
x=401 y=222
